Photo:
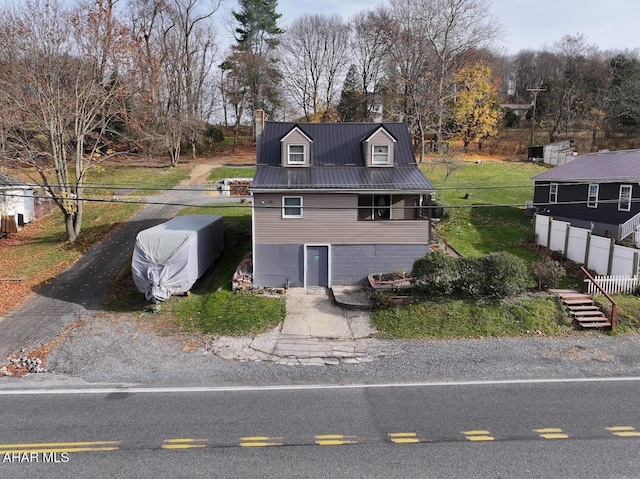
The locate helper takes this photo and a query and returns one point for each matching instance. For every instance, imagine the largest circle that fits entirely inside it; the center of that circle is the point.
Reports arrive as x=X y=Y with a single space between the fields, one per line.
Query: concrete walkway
x=317 y=330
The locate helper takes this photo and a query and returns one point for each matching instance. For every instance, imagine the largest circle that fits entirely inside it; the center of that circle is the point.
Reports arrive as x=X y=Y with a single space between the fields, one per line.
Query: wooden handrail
x=606 y=295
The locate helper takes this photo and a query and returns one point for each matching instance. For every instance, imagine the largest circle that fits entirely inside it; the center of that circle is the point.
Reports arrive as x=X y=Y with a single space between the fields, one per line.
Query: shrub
x=435 y=274
x=504 y=275
x=470 y=277
x=496 y=275
x=548 y=273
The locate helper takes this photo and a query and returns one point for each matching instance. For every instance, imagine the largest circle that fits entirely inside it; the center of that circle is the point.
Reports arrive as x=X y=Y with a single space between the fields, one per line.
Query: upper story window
x=292 y=206
x=374 y=207
x=553 y=193
x=380 y=155
x=295 y=154
x=624 y=201
x=592 y=198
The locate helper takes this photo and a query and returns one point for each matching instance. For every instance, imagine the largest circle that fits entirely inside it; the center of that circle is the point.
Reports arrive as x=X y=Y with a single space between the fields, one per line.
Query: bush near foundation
x=494 y=276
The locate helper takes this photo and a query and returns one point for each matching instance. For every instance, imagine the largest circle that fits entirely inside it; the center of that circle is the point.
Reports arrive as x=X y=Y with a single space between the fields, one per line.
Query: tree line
x=80 y=83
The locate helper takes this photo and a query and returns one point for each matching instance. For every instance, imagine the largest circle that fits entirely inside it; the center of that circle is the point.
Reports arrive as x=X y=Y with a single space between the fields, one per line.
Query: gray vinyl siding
x=280 y=265
x=333 y=218
x=295 y=138
x=351 y=264
x=380 y=138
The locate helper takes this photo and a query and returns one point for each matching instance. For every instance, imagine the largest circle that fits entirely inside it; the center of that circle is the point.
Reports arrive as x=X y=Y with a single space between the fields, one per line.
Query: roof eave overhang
x=588 y=180
x=411 y=191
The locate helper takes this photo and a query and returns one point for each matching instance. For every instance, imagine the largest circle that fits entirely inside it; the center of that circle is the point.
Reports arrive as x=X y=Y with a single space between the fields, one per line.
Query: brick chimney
x=259 y=122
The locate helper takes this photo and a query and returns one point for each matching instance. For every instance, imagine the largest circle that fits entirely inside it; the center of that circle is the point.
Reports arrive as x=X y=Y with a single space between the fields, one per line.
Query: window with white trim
x=553 y=193
x=292 y=206
x=592 y=196
x=624 y=201
x=295 y=154
x=380 y=155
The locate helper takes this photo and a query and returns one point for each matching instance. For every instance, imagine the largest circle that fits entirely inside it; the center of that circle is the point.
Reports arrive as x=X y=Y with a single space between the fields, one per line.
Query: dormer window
x=295 y=154
x=380 y=155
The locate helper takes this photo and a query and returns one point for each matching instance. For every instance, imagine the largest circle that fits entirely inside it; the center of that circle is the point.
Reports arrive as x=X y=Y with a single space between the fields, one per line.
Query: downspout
x=259 y=125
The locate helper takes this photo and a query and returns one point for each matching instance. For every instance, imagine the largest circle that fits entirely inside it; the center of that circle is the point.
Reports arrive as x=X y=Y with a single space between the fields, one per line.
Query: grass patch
x=627 y=312
x=492 y=218
x=212 y=308
x=472 y=319
x=231 y=172
x=228 y=313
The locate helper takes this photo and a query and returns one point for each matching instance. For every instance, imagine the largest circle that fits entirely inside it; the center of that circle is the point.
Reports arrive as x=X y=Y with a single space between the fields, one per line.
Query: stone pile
x=23 y=363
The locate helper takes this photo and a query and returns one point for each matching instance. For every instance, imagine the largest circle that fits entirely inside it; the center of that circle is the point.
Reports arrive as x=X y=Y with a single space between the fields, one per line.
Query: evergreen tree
x=257 y=36
x=352 y=106
x=258 y=28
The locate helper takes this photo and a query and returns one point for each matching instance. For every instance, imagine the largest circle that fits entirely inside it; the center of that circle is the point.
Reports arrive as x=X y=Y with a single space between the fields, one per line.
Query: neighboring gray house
x=16 y=200
x=335 y=202
x=597 y=191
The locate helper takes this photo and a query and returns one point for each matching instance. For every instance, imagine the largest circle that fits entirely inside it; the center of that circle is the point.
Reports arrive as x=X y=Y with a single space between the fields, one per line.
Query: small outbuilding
x=170 y=257
x=16 y=203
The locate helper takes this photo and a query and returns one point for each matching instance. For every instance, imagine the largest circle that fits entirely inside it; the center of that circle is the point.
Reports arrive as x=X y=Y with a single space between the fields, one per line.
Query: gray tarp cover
x=170 y=257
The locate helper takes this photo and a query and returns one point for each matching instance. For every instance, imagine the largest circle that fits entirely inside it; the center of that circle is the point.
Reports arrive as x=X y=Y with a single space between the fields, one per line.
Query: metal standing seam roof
x=341 y=178
x=337 y=159
x=602 y=167
x=8 y=181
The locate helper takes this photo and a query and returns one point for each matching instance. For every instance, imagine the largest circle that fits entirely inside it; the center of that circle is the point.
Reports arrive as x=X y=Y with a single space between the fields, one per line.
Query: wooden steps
x=582 y=309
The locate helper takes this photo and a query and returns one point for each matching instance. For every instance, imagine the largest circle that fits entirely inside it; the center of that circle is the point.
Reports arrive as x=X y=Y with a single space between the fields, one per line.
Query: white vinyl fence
x=597 y=253
x=613 y=284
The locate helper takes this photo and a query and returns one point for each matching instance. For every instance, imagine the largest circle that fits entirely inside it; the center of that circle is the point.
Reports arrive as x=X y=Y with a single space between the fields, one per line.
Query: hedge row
x=496 y=275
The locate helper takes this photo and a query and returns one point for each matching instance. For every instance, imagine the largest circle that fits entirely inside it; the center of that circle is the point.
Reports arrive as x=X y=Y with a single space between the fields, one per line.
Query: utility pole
x=535 y=92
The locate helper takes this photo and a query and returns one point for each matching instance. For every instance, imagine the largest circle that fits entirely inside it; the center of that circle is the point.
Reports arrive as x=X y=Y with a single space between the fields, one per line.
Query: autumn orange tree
x=476 y=112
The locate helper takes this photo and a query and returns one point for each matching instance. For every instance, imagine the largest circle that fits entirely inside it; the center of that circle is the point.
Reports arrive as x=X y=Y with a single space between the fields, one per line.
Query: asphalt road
x=573 y=429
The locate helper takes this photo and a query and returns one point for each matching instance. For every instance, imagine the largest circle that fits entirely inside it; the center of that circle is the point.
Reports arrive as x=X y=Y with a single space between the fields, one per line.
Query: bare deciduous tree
x=369 y=45
x=315 y=50
x=61 y=88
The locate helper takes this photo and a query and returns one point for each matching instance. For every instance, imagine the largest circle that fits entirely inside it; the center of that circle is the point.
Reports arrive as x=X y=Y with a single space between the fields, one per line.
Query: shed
x=170 y=257
x=16 y=202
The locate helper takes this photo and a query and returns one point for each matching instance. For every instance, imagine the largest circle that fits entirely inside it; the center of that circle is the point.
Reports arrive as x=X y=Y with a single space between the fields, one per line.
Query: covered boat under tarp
x=170 y=257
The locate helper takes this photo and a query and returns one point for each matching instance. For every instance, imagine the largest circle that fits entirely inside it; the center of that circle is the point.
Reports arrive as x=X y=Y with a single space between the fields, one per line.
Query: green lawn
x=449 y=318
x=492 y=218
x=231 y=172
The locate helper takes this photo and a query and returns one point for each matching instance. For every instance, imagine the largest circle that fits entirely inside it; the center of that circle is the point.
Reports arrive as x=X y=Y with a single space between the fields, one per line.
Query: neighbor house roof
x=602 y=167
x=8 y=181
x=337 y=159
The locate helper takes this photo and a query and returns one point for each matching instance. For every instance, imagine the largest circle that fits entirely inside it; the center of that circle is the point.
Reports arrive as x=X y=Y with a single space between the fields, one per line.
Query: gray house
x=335 y=202
x=597 y=191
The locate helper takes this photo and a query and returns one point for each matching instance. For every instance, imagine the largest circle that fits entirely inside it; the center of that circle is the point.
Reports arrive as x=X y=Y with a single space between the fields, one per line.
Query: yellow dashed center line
x=478 y=435
x=623 y=431
x=260 y=441
x=551 y=433
x=184 y=443
x=404 y=437
x=48 y=447
x=335 y=440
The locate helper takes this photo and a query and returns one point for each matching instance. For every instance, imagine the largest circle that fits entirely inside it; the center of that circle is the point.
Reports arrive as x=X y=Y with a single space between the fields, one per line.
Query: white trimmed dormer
x=296 y=148
x=380 y=149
